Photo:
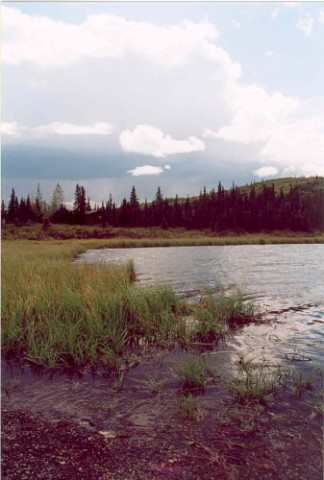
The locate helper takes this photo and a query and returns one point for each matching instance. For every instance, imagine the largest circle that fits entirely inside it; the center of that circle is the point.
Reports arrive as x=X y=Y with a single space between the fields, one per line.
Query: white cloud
x=150 y=140
x=305 y=24
x=146 y=170
x=43 y=41
x=269 y=53
x=12 y=129
x=298 y=145
x=255 y=113
x=59 y=128
x=288 y=132
x=266 y=171
x=283 y=133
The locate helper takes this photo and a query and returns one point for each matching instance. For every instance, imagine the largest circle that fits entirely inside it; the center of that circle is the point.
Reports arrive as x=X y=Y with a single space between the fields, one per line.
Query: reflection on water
x=286 y=282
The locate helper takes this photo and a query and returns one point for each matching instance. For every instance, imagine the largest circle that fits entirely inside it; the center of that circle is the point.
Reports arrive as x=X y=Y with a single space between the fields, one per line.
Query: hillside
x=306 y=184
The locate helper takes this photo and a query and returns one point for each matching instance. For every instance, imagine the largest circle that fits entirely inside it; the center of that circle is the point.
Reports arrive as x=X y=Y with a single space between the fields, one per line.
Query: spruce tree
x=57 y=198
x=13 y=207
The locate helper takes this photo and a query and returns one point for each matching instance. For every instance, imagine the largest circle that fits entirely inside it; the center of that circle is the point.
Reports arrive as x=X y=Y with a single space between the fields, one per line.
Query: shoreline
x=155 y=236
x=146 y=428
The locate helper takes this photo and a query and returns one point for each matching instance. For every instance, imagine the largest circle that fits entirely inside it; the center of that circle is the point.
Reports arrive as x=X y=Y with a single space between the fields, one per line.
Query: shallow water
x=285 y=281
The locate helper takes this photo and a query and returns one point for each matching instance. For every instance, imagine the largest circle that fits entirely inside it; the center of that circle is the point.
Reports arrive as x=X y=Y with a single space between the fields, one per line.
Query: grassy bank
x=142 y=237
x=55 y=312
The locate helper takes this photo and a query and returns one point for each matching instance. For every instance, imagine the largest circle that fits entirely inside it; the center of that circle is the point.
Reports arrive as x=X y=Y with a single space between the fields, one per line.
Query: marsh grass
x=193 y=374
x=55 y=312
x=260 y=381
x=256 y=380
x=215 y=315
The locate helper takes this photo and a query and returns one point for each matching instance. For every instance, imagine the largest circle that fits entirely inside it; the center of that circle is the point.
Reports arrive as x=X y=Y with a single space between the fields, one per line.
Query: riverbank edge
x=152 y=237
x=147 y=242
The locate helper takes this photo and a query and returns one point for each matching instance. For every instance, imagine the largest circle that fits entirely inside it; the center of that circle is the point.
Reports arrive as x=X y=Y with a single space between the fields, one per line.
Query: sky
x=178 y=95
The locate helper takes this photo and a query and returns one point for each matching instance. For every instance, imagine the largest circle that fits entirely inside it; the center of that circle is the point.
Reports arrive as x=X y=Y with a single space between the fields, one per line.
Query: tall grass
x=55 y=312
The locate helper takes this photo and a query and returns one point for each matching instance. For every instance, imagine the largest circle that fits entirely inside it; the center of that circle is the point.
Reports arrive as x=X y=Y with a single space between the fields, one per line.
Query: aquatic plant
x=193 y=373
x=216 y=314
x=256 y=380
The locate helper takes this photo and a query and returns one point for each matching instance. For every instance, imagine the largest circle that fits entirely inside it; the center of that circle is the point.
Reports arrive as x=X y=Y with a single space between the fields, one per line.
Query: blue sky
x=174 y=94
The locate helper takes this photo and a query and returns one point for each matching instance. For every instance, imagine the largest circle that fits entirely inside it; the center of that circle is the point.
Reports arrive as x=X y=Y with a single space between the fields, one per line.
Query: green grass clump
x=216 y=314
x=255 y=381
x=55 y=312
x=193 y=374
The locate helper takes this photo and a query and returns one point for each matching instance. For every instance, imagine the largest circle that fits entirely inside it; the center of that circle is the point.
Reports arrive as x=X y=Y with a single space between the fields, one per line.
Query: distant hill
x=306 y=184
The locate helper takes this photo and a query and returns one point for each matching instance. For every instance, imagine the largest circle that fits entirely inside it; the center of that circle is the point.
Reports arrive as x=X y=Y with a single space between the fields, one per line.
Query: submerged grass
x=257 y=380
x=55 y=312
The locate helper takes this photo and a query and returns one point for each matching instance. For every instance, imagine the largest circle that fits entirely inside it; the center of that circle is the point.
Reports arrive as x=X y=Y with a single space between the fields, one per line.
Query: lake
x=286 y=282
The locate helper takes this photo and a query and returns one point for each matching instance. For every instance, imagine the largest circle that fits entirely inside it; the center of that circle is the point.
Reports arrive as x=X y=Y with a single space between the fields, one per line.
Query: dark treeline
x=238 y=210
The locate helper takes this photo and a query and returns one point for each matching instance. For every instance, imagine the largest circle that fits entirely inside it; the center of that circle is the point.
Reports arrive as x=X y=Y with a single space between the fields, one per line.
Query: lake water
x=285 y=281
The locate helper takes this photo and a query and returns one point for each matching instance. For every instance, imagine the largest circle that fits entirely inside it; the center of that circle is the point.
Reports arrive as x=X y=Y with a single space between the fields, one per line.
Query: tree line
x=238 y=210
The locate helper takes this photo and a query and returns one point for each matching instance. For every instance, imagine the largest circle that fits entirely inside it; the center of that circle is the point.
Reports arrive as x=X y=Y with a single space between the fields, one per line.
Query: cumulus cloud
x=282 y=132
x=42 y=41
x=12 y=129
x=298 y=146
x=150 y=140
x=269 y=53
x=288 y=132
x=264 y=172
x=305 y=24
x=255 y=113
x=148 y=170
